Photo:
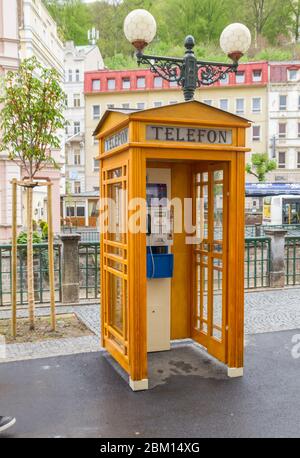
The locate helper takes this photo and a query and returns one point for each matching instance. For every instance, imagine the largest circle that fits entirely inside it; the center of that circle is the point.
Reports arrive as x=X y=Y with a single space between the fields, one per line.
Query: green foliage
x=260 y=165
x=44 y=228
x=33 y=103
x=204 y=19
x=22 y=238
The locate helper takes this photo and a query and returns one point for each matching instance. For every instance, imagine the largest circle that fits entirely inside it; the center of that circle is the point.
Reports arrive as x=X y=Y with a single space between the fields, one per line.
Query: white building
x=77 y=60
x=39 y=38
x=9 y=60
x=284 y=120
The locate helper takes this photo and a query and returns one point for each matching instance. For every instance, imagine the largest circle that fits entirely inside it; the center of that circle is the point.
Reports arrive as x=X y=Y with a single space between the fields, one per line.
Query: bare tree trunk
x=14 y=260
x=51 y=258
x=30 y=280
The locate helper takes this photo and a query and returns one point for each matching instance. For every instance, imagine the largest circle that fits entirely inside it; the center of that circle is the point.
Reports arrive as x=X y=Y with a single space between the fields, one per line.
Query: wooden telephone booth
x=196 y=152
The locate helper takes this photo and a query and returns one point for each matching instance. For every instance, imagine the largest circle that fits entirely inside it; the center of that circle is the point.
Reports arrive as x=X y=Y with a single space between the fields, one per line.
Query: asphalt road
x=83 y=396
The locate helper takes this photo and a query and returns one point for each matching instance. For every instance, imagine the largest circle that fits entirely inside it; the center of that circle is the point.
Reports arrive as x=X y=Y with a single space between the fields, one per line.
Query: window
x=239 y=106
x=96 y=165
x=70 y=78
x=157 y=104
x=293 y=75
x=80 y=211
x=110 y=105
x=225 y=79
x=77 y=157
x=256 y=76
x=125 y=105
x=158 y=82
x=77 y=187
x=256 y=105
x=240 y=77
x=281 y=160
x=76 y=127
x=96 y=85
x=207 y=102
x=224 y=104
x=173 y=84
x=173 y=102
x=141 y=82
x=140 y=105
x=282 y=102
x=77 y=75
x=111 y=84
x=255 y=133
x=96 y=111
x=126 y=83
x=76 y=100
x=298 y=159
x=70 y=210
x=282 y=130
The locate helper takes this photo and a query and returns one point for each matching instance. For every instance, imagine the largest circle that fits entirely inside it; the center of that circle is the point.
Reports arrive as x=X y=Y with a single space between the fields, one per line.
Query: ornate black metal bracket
x=187 y=72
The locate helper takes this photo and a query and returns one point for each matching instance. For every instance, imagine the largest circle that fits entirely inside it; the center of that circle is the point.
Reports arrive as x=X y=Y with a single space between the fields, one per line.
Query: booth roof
x=129 y=111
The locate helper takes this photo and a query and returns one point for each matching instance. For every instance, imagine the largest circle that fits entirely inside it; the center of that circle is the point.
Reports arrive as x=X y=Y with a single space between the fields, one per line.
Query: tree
x=294 y=6
x=260 y=165
x=33 y=105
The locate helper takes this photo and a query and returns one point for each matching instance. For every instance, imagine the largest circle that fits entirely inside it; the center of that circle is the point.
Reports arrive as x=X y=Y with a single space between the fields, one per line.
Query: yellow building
x=244 y=94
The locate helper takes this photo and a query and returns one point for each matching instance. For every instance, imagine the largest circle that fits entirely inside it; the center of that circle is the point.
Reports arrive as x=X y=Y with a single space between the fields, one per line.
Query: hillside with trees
x=274 y=24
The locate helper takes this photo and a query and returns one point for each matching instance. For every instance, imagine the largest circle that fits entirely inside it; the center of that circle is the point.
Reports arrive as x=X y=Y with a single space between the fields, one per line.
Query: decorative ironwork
x=187 y=72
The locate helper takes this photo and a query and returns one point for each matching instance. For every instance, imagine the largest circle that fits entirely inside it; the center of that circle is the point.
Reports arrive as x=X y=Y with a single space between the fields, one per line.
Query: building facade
x=9 y=60
x=284 y=120
x=77 y=61
x=244 y=93
x=39 y=37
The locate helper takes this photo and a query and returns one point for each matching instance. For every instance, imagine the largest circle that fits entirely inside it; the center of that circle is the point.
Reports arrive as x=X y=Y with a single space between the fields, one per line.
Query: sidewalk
x=265 y=311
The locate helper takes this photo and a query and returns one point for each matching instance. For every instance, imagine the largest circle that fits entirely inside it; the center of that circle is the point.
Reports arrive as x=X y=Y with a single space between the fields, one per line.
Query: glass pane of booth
x=115 y=301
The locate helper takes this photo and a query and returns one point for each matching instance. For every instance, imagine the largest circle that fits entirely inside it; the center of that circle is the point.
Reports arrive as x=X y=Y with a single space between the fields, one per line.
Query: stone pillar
x=277 y=261
x=258 y=230
x=70 y=268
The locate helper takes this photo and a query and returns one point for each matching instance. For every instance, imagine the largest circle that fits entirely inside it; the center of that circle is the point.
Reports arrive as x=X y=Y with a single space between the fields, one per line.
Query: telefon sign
x=189 y=134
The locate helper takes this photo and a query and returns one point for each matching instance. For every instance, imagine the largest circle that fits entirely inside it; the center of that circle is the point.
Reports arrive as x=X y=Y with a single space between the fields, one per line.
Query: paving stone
x=265 y=311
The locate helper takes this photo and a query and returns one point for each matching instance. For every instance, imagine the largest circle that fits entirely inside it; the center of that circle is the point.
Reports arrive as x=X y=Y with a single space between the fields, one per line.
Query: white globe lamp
x=139 y=28
x=235 y=40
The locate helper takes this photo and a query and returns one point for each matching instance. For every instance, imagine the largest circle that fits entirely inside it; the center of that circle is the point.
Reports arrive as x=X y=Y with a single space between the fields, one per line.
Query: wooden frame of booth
x=124 y=147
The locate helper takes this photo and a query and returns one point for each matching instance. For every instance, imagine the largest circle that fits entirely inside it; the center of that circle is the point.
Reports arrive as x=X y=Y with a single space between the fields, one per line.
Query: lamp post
x=187 y=72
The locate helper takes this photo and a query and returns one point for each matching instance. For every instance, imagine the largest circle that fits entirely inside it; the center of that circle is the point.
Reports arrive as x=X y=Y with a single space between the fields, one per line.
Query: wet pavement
x=83 y=396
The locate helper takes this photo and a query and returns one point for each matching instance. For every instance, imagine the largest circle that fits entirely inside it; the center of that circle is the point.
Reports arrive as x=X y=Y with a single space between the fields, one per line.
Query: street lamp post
x=187 y=72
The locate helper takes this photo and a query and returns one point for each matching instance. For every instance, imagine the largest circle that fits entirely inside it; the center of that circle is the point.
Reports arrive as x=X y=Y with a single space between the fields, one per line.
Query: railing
x=257 y=262
x=87 y=235
x=257 y=269
x=259 y=229
x=89 y=270
x=40 y=271
x=292 y=260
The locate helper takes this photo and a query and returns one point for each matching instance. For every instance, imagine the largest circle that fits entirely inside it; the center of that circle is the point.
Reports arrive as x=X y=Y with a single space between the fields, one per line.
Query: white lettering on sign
x=189 y=134
x=118 y=139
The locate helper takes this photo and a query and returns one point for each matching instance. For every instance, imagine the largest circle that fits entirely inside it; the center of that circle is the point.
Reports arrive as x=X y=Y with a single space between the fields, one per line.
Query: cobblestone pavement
x=265 y=311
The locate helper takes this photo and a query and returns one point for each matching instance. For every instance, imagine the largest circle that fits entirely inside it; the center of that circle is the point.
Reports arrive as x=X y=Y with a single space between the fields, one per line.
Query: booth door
x=209 y=258
x=114 y=256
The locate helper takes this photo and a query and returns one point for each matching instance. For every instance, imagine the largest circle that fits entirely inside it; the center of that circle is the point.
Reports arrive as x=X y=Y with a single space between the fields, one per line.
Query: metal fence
x=40 y=271
x=292 y=260
x=89 y=270
x=257 y=262
x=257 y=268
